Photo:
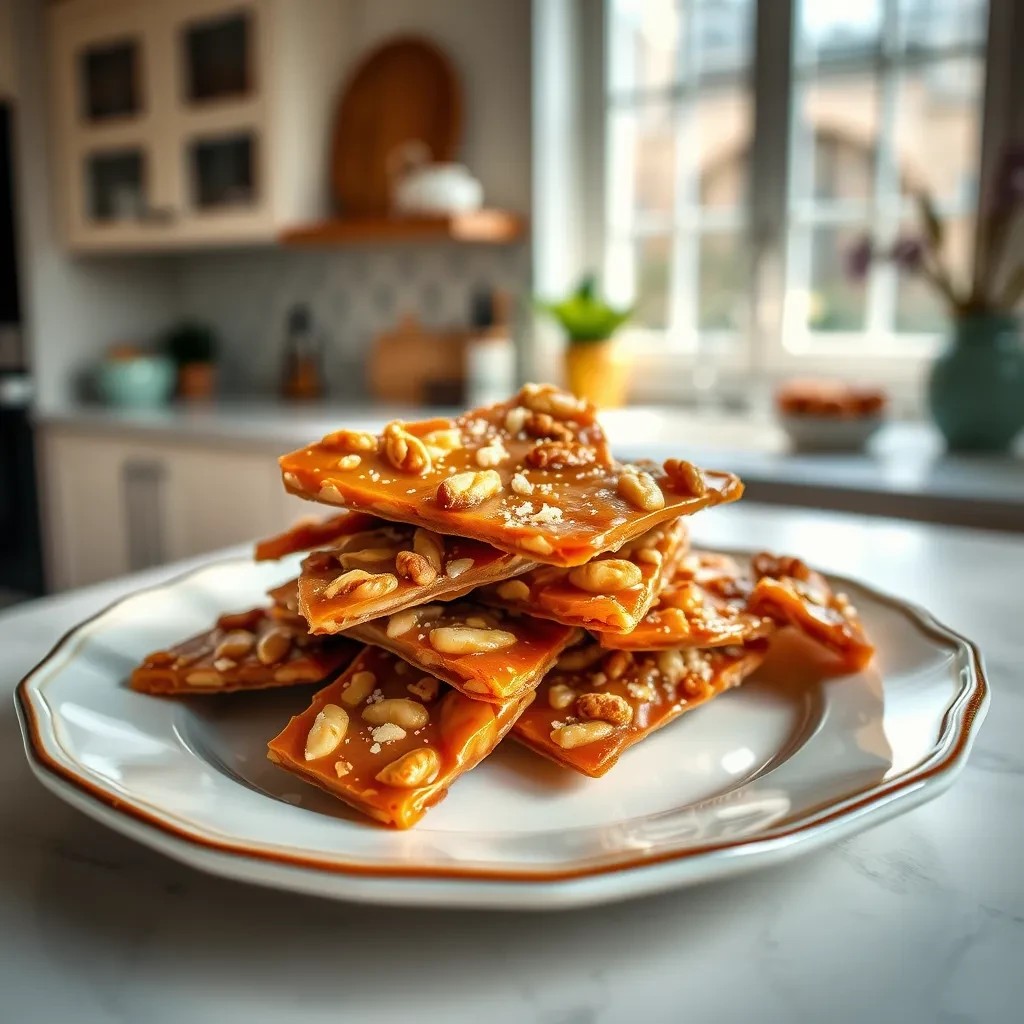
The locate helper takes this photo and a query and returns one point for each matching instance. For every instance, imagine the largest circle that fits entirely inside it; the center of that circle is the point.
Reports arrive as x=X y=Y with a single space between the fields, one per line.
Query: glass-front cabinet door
x=221 y=56
x=110 y=123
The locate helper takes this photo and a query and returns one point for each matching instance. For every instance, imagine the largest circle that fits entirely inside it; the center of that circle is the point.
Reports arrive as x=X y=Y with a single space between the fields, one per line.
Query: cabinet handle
x=141 y=485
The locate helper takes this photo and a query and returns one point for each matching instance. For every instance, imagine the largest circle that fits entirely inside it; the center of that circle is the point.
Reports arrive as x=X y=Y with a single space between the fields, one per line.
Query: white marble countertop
x=904 y=472
x=919 y=919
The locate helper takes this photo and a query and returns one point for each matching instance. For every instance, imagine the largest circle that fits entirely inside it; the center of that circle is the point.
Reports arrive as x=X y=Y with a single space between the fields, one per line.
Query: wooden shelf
x=492 y=227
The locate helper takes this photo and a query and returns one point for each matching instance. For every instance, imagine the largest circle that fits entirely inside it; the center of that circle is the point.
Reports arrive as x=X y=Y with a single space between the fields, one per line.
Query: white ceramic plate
x=784 y=764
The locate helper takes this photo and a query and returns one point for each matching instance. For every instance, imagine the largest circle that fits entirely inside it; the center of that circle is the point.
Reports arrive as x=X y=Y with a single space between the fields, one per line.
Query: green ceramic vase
x=976 y=389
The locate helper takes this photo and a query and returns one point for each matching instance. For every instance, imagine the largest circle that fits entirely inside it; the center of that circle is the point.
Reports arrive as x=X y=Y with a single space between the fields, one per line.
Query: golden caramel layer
x=596 y=704
x=388 y=740
x=704 y=604
x=380 y=571
x=611 y=593
x=486 y=653
x=531 y=476
x=248 y=651
x=792 y=593
x=314 y=533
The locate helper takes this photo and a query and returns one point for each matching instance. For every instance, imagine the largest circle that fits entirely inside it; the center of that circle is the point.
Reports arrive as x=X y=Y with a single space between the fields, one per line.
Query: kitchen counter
x=919 y=919
x=904 y=473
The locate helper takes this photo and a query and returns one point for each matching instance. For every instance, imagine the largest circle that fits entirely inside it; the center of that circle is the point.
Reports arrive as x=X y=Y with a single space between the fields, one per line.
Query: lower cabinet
x=113 y=505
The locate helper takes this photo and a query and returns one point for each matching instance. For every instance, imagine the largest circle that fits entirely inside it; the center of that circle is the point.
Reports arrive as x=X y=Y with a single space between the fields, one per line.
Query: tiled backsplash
x=354 y=294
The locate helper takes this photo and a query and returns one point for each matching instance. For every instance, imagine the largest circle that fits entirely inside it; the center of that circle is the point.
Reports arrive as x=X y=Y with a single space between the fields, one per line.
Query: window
x=856 y=104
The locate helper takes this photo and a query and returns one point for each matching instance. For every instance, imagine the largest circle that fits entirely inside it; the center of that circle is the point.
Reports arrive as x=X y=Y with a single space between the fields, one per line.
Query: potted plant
x=976 y=386
x=193 y=347
x=594 y=367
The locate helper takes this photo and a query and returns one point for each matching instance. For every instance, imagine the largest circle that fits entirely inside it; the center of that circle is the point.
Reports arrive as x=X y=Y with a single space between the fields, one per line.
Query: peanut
x=579 y=734
x=236 y=644
x=349 y=462
x=342 y=768
x=560 y=455
x=465 y=640
x=344 y=583
x=401 y=622
x=561 y=696
x=641 y=491
x=204 y=677
x=467 y=490
x=368 y=556
x=604 y=707
x=416 y=768
x=329 y=728
x=457 y=567
x=426 y=688
x=549 y=399
x=537 y=543
x=415 y=567
x=376 y=586
x=440 y=442
x=606 y=576
x=513 y=590
x=274 y=645
x=515 y=419
x=580 y=658
x=360 y=687
x=649 y=556
x=617 y=663
x=409 y=714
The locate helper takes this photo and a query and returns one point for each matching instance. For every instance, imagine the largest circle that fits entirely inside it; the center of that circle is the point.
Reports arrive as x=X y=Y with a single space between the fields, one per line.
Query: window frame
x=760 y=353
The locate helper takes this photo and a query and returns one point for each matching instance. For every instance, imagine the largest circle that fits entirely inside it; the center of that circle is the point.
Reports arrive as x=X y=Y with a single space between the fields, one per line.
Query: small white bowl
x=829 y=433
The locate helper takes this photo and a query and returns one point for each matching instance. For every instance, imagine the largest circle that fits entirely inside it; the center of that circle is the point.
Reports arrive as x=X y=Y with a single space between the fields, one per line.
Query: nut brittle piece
x=794 y=594
x=532 y=476
x=595 y=703
x=485 y=653
x=385 y=747
x=703 y=604
x=379 y=571
x=612 y=592
x=246 y=651
x=310 y=532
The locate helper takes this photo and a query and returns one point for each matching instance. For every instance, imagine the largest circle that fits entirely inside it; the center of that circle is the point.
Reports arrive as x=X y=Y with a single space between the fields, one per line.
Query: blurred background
x=782 y=237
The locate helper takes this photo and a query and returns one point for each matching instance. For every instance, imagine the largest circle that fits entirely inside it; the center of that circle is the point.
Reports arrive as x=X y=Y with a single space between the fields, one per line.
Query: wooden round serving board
x=404 y=92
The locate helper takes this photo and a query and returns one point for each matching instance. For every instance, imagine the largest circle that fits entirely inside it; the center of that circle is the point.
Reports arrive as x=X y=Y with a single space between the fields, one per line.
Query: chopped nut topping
x=360 y=687
x=416 y=768
x=368 y=556
x=579 y=734
x=466 y=490
x=560 y=455
x=605 y=707
x=521 y=486
x=389 y=732
x=457 y=567
x=235 y=644
x=513 y=590
x=377 y=586
x=466 y=640
x=606 y=576
x=342 y=768
x=274 y=645
x=329 y=728
x=349 y=462
x=401 y=622
x=409 y=714
x=685 y=478
x=561 y=696
x=350 y=441
x=426 y=688
x=641 y=491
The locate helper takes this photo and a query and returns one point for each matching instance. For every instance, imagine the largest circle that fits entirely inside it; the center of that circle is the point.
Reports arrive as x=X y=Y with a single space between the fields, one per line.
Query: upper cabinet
x=193 y=122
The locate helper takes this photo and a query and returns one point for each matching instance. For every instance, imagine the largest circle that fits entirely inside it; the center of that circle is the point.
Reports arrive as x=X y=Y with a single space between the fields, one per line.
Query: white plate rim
x=526 y=889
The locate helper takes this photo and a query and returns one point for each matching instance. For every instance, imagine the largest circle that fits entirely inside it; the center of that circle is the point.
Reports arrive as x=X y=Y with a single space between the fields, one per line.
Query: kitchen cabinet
x=113 y=504
x=197 y=122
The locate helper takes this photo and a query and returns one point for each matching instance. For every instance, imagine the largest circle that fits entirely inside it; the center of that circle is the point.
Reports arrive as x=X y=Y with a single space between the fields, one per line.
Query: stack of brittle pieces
x=499 y=572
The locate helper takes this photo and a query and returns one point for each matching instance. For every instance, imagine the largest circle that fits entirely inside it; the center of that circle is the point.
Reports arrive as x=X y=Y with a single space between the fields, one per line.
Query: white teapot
x=422 y=188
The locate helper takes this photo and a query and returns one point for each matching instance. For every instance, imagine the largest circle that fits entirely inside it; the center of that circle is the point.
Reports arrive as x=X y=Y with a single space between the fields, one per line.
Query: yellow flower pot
x=598 y=371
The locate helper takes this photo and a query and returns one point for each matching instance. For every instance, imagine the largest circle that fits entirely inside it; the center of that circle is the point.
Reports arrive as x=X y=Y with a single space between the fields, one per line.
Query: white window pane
x=835 y=137
x=644 y=38
x=643 y=149
x=937 y=131
x=723 y=128
x=652 y=281
x=929 y=25
x=722 y=32
x=828 y=30
x=836 y=302
x=722 y=281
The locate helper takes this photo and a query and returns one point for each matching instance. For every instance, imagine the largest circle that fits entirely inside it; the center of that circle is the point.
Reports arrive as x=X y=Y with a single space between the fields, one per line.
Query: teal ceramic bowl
x=144 y=382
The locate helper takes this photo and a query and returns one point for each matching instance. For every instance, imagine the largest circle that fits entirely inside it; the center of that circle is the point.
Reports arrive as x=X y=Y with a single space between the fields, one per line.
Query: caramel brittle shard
x=703 y=604
x=311 y=533
x=596 y=703
x=532 y=476
x=247 y=651
x=392 y=566
x=611 y=593
x=386 y=743
x=486 y=653
x=791 y=592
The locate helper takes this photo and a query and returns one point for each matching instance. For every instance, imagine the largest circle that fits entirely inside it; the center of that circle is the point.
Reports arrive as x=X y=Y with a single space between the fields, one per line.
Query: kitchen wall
x=356 y=293
x=74 y=308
